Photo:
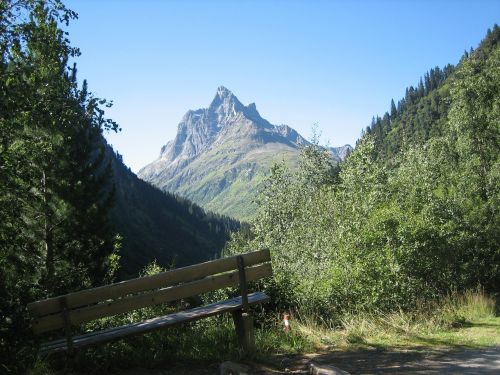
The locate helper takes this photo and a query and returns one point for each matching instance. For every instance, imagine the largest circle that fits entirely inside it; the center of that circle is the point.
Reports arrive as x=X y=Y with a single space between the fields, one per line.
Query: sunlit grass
x=464 y=320
x=460 y=320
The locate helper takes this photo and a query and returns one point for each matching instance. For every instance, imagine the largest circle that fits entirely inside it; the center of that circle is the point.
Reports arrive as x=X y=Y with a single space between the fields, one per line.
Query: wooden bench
x=65 y=312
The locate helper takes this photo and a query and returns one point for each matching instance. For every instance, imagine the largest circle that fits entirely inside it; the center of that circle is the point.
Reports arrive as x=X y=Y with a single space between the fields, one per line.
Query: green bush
x=373 y=235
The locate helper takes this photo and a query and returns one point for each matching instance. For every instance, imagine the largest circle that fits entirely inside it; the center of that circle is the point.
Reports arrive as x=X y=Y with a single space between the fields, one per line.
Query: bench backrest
x=90 y=304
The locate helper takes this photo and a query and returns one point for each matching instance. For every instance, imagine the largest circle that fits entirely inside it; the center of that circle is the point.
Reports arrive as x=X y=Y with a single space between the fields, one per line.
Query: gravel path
x=485 y=361
x=465 y=361
x=480 y=361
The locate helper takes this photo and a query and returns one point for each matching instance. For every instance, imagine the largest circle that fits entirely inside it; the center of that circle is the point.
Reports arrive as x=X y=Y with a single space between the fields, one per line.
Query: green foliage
x=475 y=132
x=411 y=215
x=55 y=188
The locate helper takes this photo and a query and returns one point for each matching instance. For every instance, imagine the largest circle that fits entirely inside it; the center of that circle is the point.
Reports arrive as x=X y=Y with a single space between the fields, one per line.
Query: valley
x=243 y=241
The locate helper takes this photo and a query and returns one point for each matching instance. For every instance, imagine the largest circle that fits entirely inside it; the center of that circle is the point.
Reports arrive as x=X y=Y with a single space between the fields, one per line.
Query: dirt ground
x=477 y=361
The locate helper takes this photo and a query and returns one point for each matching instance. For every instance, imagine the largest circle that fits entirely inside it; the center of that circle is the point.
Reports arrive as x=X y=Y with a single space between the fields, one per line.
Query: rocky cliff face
x=221 y=154
x=340 y=153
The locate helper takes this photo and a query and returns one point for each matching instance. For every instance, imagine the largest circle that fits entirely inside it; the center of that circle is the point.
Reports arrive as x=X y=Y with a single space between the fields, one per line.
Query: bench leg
x=243 y=323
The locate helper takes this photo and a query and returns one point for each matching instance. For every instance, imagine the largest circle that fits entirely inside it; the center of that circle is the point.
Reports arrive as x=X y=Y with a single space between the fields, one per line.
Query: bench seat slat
x=117 y=333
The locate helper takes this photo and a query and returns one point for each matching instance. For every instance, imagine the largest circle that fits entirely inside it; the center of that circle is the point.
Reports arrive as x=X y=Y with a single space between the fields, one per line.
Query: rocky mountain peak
x=224 y=99
x=226 y=110
x=220 y=154
x=224 y=92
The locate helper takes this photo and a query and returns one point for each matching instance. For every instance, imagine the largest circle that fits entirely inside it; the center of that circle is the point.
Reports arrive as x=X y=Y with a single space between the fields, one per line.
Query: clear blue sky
x=302 y=62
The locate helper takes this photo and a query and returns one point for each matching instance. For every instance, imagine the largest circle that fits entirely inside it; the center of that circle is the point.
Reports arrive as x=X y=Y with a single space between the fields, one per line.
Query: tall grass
x=453 y=311
x=469 y=306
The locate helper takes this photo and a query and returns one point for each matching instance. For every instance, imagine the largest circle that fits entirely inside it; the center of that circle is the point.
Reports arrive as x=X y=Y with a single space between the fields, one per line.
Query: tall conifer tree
x=55 y=187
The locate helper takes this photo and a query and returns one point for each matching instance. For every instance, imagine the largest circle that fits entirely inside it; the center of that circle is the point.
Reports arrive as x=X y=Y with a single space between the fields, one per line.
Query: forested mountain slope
x=156 y=225
x=423 y=112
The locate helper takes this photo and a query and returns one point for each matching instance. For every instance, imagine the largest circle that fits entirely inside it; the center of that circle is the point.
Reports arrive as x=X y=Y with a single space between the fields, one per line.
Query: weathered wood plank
x=161 y=280
x=155 y=323
x=89 y=313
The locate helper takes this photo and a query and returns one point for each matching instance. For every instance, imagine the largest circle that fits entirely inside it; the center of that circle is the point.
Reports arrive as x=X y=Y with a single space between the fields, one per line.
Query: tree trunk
x=47 y=237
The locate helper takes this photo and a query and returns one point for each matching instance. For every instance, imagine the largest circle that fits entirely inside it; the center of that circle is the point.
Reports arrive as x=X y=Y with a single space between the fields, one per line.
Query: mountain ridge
x=219 y=149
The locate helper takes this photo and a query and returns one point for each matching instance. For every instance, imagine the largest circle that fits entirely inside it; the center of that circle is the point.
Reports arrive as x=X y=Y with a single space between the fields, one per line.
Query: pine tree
x=394 y=111
x=55 y=188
